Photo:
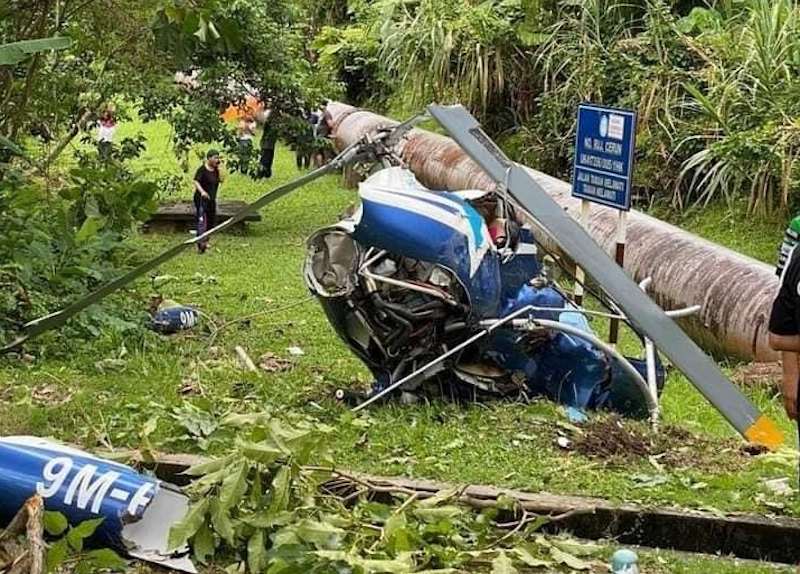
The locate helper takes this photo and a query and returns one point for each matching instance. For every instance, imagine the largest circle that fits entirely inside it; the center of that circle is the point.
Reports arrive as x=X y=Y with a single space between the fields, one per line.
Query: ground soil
x=615 y=439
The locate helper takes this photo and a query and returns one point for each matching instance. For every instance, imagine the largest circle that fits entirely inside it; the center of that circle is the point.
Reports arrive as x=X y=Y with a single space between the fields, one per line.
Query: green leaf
x=577 y=548
x=255 y=552
x=221 y=521
x=502 y=564
x=281 y=490
x=265 y=453
x=204 y=545
x=55 y=523
x=17 y=52
x=568 y=559
x=257 y=491
x=234 y=485
x=442 y=496
x=396 y=534
x=11 y=146
x=105 y=559
x=186 y=527
x=81 y=532
x=56 y=554
x=323 y=535
x=396 y=566
x=528 y=556
x=89 y=229
x=436 y=514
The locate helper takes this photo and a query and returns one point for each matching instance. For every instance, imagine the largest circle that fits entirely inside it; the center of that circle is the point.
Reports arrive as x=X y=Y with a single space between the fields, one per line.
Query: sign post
x=580 y=276
x=603 y=172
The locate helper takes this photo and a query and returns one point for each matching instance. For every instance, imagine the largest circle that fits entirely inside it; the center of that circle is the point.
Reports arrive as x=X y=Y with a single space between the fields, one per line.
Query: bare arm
x=785 y=342
x=200 y=189
x=791 y=375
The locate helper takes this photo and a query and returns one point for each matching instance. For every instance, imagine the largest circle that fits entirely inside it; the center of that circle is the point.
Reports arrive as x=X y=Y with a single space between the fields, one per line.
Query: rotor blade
x=636 y=305
x=57 y=319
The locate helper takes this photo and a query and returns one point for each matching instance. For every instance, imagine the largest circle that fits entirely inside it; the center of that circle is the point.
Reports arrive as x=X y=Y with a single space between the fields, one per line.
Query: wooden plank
x=184 y=211
x=746 y=536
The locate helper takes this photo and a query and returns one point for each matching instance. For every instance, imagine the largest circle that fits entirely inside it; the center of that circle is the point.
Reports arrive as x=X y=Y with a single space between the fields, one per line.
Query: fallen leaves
x=272 y=363
x=51 y=395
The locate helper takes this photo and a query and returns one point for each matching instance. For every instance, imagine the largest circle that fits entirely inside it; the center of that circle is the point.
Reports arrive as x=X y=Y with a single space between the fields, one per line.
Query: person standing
x=784 y=332
x=206 y=185
x=268 y=140
x=246 y=132
x=105 y=134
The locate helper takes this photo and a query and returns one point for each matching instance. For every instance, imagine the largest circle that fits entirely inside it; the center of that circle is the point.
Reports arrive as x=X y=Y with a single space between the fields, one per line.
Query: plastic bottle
x=625 y=561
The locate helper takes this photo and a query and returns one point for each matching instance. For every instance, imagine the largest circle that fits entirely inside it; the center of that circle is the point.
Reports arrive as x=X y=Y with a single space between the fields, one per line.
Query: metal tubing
x=652 y=403
x=442 y=357
x=735 y=291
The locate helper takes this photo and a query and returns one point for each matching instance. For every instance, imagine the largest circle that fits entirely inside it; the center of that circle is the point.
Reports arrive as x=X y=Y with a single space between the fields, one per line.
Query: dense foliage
x=714 y=83
x=263 y=508
x=66 y=211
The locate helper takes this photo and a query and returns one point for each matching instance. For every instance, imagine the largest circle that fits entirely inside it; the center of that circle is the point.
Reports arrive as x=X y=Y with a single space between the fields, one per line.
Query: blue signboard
x=604 y=146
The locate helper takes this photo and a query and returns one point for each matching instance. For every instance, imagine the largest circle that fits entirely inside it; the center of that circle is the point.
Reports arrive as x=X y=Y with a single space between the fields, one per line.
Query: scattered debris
x=111 y=365
x=624 y=561
x=779 y=486
x=576 y=415
x=172 y=317
x=296 y=351
x=759 y=375
x=272 y=363
x=51 y=396
x=563 y=442
x=200 y=279
x=246 y=361
x=138 y=511
x=615 y=439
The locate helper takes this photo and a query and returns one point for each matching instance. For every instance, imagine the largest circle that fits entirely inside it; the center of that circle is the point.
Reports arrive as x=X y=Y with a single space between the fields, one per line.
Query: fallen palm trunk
x=744 y=536
x=735 y=291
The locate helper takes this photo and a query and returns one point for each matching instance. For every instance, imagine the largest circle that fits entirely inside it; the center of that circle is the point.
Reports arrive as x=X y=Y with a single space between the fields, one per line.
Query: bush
x=60 y=246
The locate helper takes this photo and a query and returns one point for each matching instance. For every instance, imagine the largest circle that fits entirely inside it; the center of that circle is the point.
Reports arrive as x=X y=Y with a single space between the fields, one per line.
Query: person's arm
x=791 y=376
x=790 y=343
x=199 y=187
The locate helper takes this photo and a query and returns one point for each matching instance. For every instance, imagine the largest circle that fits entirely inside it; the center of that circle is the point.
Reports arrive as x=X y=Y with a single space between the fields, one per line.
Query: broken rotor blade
x=54 y=320
x=636 y=305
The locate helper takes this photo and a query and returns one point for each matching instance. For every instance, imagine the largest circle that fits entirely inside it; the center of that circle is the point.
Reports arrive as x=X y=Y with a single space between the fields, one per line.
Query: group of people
x=209 y=176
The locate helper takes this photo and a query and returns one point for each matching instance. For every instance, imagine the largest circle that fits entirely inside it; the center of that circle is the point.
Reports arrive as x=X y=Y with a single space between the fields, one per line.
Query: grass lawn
x=106 y=392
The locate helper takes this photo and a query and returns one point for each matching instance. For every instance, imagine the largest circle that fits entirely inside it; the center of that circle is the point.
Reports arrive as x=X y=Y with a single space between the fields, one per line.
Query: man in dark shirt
x=268 y=140
x=206 y=185
x=784 y=331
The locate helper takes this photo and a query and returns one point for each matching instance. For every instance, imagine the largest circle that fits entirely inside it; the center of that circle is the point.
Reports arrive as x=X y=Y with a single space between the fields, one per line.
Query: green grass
x=94 y=399
x=755 y=236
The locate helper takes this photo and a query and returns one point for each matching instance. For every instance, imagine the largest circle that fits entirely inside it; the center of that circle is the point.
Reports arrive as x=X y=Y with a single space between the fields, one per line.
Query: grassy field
x=250 y=291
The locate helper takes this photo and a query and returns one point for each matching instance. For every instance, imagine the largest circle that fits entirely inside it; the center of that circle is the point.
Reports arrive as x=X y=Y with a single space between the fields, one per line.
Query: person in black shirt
x=784 y=331
x=268 y=140
x=206 y=185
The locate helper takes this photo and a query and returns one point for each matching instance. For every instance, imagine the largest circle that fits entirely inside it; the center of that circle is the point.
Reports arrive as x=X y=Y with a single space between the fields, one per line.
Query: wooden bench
x=179 y=216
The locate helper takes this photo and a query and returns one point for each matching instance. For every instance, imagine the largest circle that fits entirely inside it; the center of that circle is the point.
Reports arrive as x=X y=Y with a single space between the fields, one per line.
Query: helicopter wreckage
x=447 y=288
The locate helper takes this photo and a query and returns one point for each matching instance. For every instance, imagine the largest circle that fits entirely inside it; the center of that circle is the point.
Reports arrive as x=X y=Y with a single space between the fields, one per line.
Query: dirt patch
x=759 y=375
x=615 y=439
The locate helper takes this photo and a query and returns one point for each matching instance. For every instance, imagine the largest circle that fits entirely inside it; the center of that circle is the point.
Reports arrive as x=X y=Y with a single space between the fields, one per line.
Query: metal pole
x=619 y=257
x=580 y=276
